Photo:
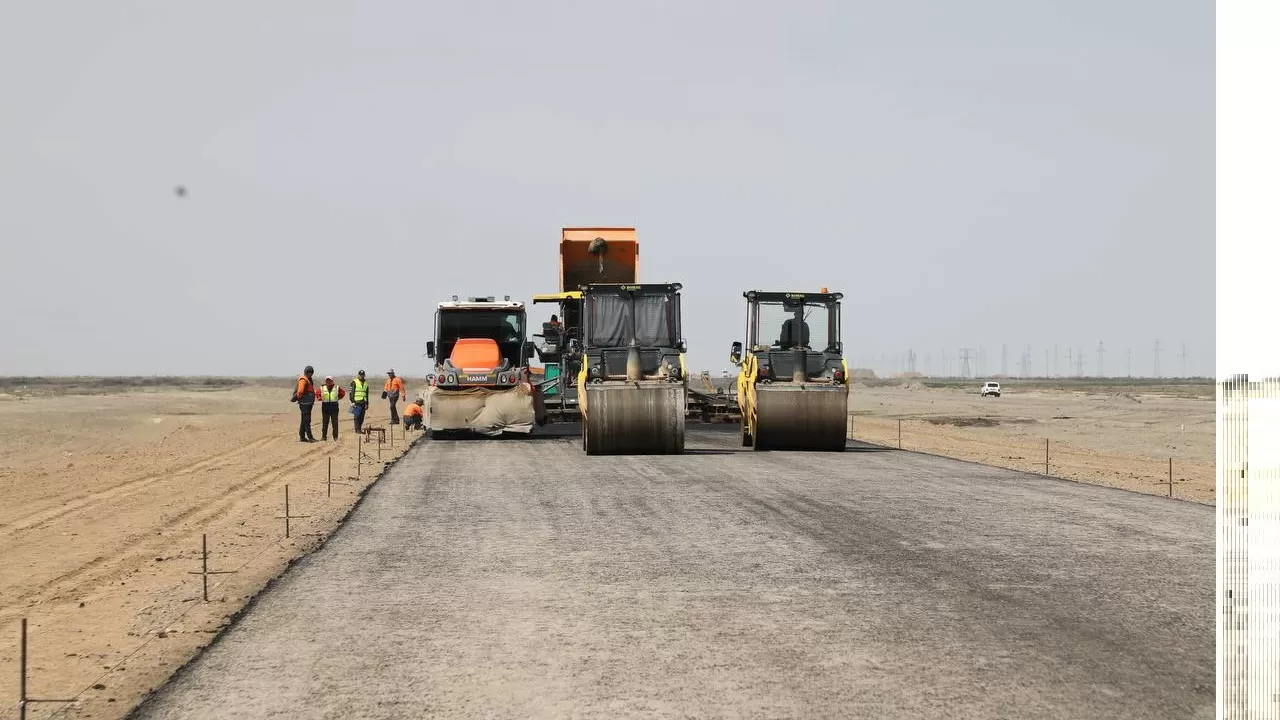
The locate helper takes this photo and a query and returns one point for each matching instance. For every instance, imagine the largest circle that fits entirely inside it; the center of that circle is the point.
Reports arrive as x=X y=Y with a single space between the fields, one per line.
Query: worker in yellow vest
x=329 y=395
x=359 y=399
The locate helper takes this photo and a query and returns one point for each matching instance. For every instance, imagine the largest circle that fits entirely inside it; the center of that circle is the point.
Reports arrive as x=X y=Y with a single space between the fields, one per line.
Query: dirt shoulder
x=107 y=496
x=1108 y=435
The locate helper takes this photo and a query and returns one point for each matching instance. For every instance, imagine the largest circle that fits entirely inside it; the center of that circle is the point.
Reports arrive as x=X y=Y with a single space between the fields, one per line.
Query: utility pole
x=1068 y=359
x=1130 y=362
x=1100 y=352
x=1157 y=362
x=1183 y=355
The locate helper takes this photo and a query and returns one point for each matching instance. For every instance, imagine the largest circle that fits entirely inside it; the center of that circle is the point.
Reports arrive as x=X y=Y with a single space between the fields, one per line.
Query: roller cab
x=480 y=383
x=793 y=380
x=632 y=386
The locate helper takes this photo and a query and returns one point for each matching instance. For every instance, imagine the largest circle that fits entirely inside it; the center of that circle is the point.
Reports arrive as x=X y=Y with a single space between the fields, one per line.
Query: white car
x=991 y=388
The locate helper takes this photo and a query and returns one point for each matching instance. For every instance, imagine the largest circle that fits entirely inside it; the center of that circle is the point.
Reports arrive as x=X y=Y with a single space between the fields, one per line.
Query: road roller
x=480 y=383
x=793 y=380
x=632 y=385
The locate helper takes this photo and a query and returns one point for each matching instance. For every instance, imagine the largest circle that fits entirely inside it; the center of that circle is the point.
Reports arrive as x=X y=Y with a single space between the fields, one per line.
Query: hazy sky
x=968 y=174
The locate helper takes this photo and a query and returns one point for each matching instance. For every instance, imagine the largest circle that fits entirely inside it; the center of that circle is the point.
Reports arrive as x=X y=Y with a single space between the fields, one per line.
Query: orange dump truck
x=587 y=255
x=616 y=358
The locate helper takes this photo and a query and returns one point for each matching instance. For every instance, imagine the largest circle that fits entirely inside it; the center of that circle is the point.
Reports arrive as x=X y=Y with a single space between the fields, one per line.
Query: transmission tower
x=1068 y=359
x=1079 y=363
x=964 y=362
x=1100 y=352
x=1183 y=356
x=911 y=361
x=1004 y=359
x=1055 y=361
x=1157 y=361
x=927 y=367
x=1130 y=362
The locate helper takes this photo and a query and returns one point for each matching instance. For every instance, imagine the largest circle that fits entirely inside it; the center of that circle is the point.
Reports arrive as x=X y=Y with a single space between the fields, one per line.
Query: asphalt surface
x=525 y=579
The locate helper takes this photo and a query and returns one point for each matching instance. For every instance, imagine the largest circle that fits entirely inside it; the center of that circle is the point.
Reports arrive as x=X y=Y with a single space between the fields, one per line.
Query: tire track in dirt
x=148 y=543
x=35 y=520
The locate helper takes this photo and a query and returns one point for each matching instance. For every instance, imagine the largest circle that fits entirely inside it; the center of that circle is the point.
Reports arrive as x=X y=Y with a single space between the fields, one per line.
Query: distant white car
x=991 y=388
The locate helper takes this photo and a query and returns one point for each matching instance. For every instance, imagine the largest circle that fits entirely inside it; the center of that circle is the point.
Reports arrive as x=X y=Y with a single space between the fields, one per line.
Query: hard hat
x=308 y=369
x=392 y=371
x=327 y=378
x=360 y=373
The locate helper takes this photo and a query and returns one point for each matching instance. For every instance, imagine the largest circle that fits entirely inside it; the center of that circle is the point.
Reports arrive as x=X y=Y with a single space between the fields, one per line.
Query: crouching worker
x=413 y=415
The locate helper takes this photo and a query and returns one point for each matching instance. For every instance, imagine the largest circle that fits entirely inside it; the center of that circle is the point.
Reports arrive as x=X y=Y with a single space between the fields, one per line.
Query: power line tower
x=1079 y=362
x=1004 y=360
x=1055 y=361
x=1100 y=352
x=1130 y=362
x=927 y=364
x=964 y=362
x=911 y=361
x=1157 y=361
x=1068 y=360
x=1183 y=356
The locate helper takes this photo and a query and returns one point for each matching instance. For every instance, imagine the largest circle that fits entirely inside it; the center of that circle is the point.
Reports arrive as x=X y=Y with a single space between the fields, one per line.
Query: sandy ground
x=106 y=498
x=525 y=579
x=1116 y=436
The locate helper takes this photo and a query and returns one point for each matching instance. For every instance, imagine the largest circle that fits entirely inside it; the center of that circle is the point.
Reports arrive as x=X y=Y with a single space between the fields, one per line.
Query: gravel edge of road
x=234 y=619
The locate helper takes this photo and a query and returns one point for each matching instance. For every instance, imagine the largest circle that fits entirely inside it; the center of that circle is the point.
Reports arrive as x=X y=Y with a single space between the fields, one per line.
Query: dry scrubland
x=1116 y=433
x=108 y=486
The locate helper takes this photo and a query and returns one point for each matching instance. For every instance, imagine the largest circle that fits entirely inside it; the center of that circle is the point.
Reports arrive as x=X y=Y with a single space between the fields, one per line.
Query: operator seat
x=794 y=335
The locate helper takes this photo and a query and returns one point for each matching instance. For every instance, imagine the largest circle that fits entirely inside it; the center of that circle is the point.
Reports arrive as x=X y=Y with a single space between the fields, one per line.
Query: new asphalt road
x=523 y=579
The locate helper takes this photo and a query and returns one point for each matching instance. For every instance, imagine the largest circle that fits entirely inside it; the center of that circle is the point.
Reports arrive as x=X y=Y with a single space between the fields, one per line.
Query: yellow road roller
x=632 y=386
x=793 y=380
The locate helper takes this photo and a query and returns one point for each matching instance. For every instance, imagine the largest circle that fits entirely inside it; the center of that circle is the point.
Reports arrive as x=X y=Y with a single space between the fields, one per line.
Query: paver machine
x=480 y=384
x=587 y=255
x=632 y=385
x=793 y=380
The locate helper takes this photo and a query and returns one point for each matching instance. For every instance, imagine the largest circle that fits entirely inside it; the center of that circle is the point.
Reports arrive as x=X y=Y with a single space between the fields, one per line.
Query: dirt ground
x=106 y=498
x=1115 y=435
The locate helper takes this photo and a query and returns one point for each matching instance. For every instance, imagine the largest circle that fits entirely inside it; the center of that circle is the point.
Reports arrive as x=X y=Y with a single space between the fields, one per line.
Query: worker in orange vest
x=305 y=395
x=391 y=392
x=413 y=415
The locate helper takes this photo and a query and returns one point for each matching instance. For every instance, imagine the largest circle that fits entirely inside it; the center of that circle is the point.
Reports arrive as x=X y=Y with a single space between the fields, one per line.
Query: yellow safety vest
x=362 y=390
x=329 y=394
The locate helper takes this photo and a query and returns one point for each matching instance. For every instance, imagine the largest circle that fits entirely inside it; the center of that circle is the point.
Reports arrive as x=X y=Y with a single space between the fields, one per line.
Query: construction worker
x=413 y=415
x=329 y=395
x=391 y=392
x=305 y=395
x=359 y=399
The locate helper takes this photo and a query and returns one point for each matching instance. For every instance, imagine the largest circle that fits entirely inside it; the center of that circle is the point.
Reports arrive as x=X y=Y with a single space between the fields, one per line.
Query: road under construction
x=498 y=578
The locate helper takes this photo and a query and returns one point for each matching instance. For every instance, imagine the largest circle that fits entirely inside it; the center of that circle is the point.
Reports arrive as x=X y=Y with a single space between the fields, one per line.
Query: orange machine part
x=579 y=267
x=475 y=353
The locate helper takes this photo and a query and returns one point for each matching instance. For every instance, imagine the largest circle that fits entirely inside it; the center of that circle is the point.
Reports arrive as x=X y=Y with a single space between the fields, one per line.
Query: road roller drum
x=644 y=418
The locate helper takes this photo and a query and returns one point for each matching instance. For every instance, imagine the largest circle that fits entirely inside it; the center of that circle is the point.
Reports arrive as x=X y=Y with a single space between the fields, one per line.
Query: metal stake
x=1046 y=456
x=22 y=678
x=287 y=517
x=899 y=433
x=205 y=572
x=329 y=482
x=1170 y=477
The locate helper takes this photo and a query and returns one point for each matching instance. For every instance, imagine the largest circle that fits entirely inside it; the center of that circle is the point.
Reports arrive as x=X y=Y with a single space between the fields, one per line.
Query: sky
x=970 y=175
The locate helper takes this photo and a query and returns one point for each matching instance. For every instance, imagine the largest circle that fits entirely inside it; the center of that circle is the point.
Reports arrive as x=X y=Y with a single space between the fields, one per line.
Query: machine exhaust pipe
x=633 y=364
x=799 y=373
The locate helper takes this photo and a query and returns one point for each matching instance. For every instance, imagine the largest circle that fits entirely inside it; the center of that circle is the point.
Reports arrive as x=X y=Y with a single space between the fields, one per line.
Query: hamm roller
x=632 y=386
x=793 y=386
